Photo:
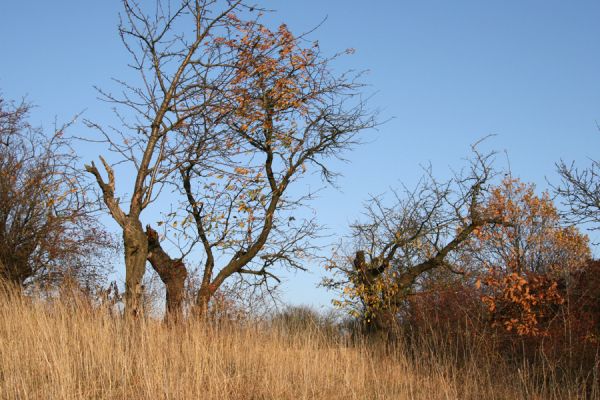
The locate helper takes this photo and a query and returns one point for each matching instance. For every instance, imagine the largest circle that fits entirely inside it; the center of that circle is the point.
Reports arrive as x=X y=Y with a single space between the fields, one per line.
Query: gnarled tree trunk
x=172 y=272
x=136 y=253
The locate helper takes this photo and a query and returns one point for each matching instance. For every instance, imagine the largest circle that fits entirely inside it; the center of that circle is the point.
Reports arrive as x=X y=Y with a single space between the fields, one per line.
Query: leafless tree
x=580 y=191
x=230 y=113
x=171 y=48
x=399 y=244
x=48 y=231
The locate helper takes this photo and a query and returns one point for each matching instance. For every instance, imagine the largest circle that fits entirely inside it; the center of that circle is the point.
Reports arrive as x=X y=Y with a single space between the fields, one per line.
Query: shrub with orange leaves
x=521 y=302
x=523 y=263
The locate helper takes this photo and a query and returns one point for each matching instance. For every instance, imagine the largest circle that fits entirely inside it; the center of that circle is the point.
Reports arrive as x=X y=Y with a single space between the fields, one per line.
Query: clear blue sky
x=448 y=72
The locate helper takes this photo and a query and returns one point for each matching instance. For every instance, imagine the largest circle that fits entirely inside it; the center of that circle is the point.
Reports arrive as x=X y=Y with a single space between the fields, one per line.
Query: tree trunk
x=172 y=272
x=380 y=319
x=136 y=253
x=203 y=299
x=382 y=324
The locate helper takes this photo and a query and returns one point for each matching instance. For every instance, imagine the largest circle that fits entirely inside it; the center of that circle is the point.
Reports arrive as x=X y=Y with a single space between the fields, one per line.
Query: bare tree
x=399 y=244
x=239 y=112
x=282 y=112
x=172 y=49
x=580 y=191
x=48 y=231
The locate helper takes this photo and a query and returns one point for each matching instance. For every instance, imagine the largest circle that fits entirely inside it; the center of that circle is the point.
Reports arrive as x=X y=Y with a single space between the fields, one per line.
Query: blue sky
x=446 y=72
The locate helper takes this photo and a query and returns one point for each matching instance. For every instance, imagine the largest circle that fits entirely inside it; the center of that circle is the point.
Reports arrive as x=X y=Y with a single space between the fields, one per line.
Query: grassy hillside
x=69 y=351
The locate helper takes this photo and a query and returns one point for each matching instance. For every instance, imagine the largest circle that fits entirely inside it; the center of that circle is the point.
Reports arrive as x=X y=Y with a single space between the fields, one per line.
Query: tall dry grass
x=71 y=351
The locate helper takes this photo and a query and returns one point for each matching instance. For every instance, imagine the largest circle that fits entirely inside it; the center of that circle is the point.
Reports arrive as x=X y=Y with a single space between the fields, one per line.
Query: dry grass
x=65 y=352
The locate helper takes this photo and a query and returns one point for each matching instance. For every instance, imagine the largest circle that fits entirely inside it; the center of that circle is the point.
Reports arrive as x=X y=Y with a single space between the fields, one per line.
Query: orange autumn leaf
x=525 y=258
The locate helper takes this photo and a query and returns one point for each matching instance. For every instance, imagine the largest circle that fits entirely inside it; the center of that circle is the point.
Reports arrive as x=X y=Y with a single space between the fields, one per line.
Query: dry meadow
x=69 y=351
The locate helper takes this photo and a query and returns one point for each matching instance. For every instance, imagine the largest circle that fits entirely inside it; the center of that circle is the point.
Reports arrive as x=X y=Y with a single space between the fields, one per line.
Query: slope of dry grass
x=67 y=352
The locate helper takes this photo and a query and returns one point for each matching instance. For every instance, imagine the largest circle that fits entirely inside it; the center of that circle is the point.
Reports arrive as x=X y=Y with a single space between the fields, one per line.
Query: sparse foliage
x=399 y=245
x=48 y=232
x=282 y=113
x=230 y=113
x=175 y=70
